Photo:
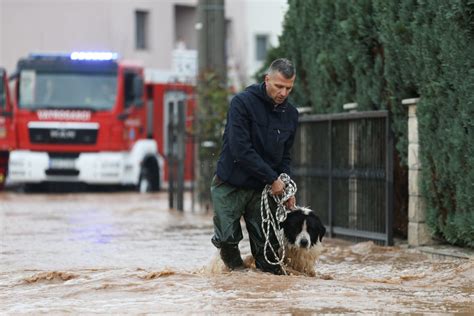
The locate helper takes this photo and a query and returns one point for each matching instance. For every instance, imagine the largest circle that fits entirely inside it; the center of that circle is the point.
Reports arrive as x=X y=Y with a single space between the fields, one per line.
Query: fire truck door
x=135 y=108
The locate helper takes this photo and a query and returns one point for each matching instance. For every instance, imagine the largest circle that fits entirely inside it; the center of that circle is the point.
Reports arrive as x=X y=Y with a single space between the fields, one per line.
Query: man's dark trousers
x=230 y=204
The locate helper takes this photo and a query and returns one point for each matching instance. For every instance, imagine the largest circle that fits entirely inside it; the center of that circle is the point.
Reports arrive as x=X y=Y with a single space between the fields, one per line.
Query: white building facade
x=149 y=31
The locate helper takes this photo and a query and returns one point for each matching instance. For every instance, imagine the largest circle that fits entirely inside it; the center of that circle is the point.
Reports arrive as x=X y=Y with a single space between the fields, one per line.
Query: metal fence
x=343 y=166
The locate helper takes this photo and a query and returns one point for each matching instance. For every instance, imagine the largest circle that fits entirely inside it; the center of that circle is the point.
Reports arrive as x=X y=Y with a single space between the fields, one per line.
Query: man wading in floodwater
x=258 y=136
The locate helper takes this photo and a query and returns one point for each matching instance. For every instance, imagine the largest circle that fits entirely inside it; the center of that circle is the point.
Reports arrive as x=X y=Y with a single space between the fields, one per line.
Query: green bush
x=378 y=52
x=211 y=118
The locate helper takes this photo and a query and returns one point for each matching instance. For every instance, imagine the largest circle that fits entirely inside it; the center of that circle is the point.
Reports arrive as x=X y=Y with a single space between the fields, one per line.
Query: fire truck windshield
x=65 y=90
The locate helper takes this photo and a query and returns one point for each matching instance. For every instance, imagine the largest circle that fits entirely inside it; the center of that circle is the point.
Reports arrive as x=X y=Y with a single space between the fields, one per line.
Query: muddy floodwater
x=126 y=253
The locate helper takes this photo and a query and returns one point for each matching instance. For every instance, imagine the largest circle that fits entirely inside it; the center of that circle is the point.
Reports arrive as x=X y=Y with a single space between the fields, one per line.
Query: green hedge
x=444 y=36
x=378 y=52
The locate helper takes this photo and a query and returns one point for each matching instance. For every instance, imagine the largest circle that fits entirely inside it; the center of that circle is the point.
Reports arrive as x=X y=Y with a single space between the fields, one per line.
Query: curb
x=447 y=251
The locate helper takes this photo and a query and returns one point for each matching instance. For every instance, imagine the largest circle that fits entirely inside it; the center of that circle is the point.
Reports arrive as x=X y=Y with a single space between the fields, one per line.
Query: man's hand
x=291 y=203
x=277 y=187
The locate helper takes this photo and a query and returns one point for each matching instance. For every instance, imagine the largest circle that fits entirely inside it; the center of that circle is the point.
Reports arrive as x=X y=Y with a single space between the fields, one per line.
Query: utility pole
x=211 y=34
x=211 y=29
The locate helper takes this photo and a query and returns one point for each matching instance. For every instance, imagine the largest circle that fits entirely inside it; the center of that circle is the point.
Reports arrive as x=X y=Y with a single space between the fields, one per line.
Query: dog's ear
x=321 y=232
x=319 y=226
x=321 y=229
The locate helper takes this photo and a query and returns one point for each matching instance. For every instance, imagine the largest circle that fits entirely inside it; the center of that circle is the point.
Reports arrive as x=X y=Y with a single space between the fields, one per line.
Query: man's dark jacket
x=257 y=139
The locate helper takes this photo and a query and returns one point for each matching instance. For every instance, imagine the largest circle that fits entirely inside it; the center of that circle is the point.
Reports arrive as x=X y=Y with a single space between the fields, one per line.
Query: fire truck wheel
x=34 y=187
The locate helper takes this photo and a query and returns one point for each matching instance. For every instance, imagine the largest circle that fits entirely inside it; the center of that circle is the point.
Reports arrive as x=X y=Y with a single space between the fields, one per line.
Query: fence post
x=418 y=232
x=181 y=148
x=352 y=159
x=171 y=154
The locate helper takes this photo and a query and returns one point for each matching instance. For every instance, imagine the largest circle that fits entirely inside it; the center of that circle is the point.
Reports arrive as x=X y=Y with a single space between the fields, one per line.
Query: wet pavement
x=126 y=253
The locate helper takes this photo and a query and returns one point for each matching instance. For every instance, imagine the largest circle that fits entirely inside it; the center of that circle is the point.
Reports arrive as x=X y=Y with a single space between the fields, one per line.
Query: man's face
x=278 y=87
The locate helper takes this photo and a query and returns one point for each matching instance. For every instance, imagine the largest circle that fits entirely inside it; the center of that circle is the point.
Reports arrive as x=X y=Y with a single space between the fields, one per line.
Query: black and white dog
x=303 y=231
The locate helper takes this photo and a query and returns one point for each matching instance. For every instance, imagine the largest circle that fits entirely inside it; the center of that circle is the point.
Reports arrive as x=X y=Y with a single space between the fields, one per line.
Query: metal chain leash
x=270 y=222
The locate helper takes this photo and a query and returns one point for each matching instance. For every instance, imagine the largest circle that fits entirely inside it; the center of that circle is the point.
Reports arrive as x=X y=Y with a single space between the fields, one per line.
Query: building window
x=262 y=47
x=141 y=29
x=184 y=27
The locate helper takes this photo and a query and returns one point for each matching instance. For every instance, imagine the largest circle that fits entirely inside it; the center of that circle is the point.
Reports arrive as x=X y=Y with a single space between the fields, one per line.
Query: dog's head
x=303 y=228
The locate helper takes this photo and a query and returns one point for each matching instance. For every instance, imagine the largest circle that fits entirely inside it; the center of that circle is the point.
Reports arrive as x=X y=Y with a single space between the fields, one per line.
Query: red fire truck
x=7 y=135
x=88 y=117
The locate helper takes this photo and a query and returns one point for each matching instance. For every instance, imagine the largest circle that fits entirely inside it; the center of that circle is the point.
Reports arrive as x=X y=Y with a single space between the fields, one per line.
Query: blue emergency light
x=93 y=56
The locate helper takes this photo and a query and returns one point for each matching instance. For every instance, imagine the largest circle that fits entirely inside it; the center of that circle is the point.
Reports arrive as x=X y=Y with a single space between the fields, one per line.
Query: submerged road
x=128 y=253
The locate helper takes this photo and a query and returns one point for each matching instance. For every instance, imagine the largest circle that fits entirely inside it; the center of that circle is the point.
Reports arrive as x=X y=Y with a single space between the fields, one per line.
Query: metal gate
x=175 y=146
x=343 y=166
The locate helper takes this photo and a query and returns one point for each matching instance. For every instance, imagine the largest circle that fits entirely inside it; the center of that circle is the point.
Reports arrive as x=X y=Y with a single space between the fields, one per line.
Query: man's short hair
x=283 y=66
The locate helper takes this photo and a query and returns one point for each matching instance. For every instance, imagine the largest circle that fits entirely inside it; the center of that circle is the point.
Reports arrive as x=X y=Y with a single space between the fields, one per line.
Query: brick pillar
x=418 y=232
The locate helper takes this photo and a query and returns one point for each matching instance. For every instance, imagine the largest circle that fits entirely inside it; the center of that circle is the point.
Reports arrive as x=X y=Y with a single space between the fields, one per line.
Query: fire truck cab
x=7 y=132
x=82 y=117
